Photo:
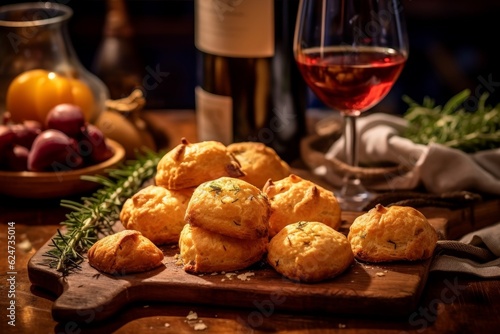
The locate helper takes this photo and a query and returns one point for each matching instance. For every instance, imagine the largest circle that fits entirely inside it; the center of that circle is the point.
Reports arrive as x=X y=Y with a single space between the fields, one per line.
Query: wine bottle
x=250 y=88
x=117 y=61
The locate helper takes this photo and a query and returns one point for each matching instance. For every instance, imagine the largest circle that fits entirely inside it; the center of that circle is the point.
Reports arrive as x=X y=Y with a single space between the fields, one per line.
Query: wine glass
x=350 y=53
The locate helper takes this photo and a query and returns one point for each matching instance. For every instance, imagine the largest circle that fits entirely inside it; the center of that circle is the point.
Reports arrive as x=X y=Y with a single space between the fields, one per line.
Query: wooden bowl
x=37 y=185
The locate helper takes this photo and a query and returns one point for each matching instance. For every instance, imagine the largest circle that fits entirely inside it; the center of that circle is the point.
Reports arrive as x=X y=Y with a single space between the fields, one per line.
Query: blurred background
x=453 y=46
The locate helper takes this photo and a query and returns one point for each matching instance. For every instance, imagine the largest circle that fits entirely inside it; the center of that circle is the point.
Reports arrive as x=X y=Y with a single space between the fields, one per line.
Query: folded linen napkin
x=438 y=168
x=476 y=253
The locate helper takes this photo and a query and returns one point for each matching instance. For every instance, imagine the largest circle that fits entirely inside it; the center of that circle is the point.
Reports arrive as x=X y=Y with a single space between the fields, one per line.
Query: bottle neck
x=117 y=20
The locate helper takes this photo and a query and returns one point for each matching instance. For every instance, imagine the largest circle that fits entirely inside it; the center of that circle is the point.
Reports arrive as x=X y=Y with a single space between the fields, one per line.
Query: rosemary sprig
x=97 y=214
x=452 y=125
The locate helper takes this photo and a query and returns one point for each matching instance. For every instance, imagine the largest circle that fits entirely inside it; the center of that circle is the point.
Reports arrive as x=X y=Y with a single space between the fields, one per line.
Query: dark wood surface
x=450 y=302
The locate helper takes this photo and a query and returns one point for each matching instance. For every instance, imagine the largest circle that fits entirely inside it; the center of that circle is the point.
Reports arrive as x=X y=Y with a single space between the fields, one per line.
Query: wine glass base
x=353 y=196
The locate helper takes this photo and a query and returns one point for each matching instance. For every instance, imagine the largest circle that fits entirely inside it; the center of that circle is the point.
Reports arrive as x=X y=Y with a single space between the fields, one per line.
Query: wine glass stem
x=353 y=194
x=351 y=141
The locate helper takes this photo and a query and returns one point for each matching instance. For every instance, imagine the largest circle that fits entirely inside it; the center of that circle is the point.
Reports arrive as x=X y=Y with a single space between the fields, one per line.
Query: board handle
x=106 y=297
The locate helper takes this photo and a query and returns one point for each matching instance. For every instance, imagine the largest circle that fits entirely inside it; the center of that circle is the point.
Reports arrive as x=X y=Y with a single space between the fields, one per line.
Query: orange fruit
x=32 y=94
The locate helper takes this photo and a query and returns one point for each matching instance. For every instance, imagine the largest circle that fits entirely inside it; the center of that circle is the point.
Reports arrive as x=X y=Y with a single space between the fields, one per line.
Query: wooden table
x=451 y=303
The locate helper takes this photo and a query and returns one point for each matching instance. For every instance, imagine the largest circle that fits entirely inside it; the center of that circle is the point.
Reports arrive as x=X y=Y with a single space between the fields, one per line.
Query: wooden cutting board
x=364 y=289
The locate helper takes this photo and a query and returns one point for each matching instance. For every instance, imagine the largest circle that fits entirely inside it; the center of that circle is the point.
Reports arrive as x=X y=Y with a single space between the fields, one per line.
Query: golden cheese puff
x=124 y=252
x=156 y=212
x=309 y=252
x=259 y=162
x=203 y=251
x=391 y=234
x=295 y=199
x=189 y=165
x=230 y=207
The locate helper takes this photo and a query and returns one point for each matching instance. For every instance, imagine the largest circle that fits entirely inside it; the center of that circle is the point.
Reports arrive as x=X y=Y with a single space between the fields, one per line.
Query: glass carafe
x=33 y=36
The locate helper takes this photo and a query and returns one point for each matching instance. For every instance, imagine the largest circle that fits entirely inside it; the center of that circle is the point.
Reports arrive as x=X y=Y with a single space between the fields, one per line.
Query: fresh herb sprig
x=96 y=215
x=452 y=125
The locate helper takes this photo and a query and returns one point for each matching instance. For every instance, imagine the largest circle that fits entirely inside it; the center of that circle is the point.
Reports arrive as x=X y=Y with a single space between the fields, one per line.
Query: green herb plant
x=95 y=215
x=452 y=125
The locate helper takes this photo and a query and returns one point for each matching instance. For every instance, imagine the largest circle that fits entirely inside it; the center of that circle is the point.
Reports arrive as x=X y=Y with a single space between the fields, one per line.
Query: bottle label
x=214 y=116
x=235 y=28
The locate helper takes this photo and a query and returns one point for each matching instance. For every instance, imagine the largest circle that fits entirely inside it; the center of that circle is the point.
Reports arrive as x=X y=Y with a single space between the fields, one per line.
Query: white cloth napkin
x=438 y=168
x=476 y=253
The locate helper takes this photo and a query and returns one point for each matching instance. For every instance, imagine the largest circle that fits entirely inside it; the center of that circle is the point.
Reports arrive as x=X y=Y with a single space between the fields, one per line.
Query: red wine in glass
x=351 y=80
